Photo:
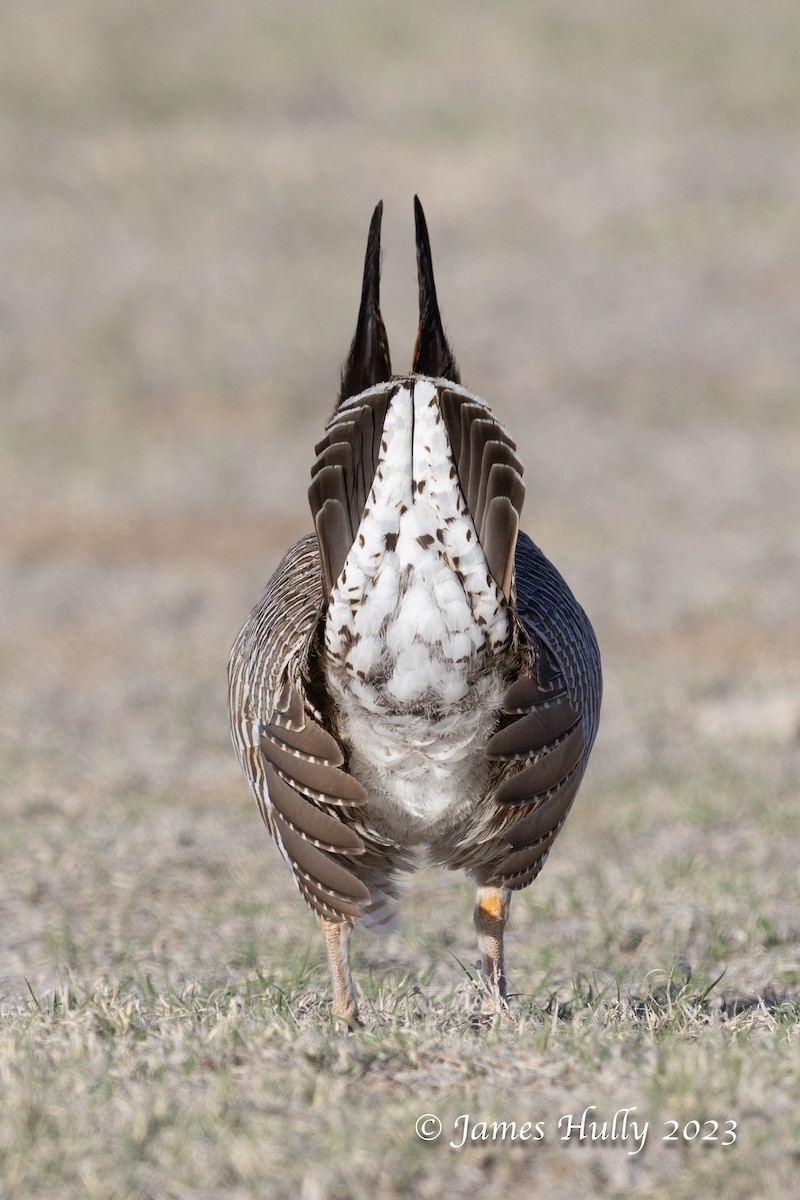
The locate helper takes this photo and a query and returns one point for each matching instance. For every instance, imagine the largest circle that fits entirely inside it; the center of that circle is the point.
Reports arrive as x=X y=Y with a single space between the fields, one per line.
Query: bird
x=416 y=677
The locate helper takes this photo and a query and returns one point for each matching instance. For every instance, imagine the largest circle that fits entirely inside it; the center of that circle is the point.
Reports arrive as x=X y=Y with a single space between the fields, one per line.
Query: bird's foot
x=492 y=1007
x=347 y=1017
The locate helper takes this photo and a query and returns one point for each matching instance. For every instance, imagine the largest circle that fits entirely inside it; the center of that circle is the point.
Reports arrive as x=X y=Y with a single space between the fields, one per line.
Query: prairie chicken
x=416 y=675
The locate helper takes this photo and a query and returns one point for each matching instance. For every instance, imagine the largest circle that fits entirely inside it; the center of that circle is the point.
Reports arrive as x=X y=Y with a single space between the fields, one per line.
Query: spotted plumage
x=416 y=675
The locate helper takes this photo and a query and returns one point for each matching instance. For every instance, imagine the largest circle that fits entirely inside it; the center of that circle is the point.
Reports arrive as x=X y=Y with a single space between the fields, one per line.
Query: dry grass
x=613 y=194
x=246 y=1090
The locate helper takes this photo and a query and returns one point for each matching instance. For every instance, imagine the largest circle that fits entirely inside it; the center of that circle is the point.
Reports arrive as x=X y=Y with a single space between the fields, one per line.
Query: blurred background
x=613 y=195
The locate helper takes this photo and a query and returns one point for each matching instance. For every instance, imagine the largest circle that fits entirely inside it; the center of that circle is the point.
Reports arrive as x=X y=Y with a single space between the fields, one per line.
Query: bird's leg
x=337 y=939
x=490 y=916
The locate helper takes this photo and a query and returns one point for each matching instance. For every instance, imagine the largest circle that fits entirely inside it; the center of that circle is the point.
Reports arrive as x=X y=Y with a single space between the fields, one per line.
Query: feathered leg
x=337 y=940
x=490 y=916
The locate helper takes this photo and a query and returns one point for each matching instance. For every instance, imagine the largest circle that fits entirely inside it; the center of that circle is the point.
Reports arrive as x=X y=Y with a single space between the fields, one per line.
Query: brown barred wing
x=546 y=738
x=294 y=766
x=551 y=717
x=490 y=477
x=307 y=792
x=342 y=475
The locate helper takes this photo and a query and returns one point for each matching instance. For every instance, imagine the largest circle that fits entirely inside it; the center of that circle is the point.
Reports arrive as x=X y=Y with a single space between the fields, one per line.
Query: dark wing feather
x=490 y=477
x=342 y=475
x=557 y=626
x=549 y=764
x=496 y=478
x=311 y=823
x=554 y=710
x=307 y=740
x=326 y=904
x=481 y=436
x=498 y=536
x=450 y=403
x=318 y=868
x=544 y=724
x=319 y=781
x=547 y=816
x=295 y=767
x=334 y=535
x=469 y=412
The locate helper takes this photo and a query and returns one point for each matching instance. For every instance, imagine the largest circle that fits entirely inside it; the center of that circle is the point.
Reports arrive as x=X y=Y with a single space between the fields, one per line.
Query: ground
x=613 y=194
